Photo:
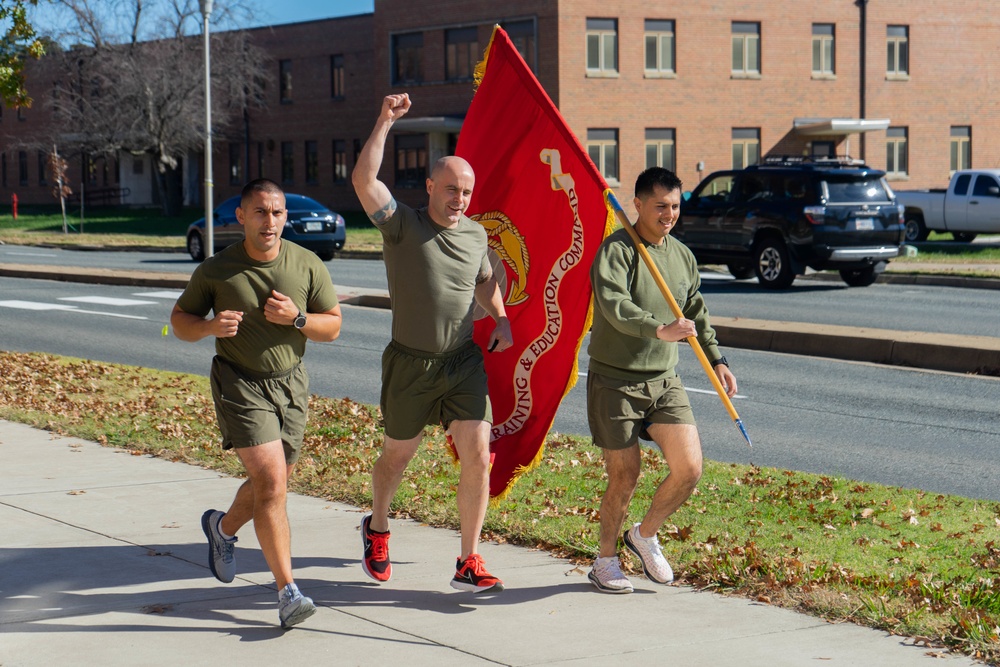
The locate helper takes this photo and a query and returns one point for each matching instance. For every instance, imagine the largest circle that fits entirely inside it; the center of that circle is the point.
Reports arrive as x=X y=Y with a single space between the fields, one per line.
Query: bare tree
x=122 y=92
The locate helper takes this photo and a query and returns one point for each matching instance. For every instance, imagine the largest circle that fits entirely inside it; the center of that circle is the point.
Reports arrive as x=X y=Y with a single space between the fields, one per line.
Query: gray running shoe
x=608 y=577
x=293 y=606
x=650 y=555
x=221 y=552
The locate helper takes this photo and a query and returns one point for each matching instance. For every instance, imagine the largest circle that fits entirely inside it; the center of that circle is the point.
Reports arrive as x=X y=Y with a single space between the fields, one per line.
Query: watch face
x=300 y=321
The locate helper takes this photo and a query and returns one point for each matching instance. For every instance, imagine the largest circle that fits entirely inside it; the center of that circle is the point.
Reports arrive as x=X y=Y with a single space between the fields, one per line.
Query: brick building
x=909 y=87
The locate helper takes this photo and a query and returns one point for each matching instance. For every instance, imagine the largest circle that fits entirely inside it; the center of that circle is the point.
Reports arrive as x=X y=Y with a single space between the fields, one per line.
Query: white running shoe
x=607 y=576
x=648 y=550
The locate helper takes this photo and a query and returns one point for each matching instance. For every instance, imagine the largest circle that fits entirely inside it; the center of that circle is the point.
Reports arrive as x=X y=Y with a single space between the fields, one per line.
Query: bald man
x=432 y=371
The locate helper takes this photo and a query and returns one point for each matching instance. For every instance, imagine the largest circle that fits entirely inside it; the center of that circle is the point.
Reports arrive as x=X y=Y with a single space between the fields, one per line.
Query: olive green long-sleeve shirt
x=628 y=308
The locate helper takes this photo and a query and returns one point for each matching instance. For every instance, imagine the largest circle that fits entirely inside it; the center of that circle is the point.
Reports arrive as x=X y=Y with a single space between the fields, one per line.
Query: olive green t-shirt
x=433 y=272
x=628 y=307
x=232 y=280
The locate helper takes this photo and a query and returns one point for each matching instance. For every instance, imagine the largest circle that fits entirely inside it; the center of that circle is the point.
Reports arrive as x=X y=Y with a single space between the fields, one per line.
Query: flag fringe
x=480 y=71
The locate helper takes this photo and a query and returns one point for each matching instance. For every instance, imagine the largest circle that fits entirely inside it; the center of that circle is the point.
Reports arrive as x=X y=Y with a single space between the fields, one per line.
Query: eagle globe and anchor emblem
x=507 y=253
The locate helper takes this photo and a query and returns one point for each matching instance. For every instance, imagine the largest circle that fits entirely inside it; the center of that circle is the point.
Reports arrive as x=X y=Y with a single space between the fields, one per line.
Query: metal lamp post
x=206 y=12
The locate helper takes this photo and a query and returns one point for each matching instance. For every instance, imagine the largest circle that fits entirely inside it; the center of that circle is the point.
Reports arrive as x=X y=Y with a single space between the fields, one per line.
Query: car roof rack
x=812 y=160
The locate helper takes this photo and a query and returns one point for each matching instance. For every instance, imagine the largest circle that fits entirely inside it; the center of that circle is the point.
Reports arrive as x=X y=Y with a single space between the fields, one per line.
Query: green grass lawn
x=916 y=564
x=145 y=227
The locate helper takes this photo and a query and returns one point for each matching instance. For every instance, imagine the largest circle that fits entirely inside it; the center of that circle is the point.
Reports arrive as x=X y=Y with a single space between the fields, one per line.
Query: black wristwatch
x=299 y=321
x=721 y=361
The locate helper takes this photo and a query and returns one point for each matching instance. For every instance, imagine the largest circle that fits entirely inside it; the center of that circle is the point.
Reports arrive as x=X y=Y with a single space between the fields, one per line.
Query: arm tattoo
x=380 y=216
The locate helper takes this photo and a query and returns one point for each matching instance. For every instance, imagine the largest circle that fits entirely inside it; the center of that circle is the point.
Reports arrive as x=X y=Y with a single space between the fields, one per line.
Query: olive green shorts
x=616 y=409
x=254 y=408
x=422 y=388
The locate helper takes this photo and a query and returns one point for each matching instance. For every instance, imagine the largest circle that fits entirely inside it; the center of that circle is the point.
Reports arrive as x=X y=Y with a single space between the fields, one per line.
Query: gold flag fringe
x=480 y=71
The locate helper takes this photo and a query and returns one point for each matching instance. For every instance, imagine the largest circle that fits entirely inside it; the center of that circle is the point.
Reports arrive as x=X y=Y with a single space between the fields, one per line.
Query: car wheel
x=916 y=230
x=325 y=256
x=771 y=264
x=859 y=277
x=195 y=247
x=741 y=271
x=964 y=237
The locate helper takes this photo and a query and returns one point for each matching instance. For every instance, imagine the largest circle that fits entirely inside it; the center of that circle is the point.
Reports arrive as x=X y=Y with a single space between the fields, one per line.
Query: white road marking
x=107 y=301
x=162 y=294
x=31 y=254
x=697 y=391
x=35 y=305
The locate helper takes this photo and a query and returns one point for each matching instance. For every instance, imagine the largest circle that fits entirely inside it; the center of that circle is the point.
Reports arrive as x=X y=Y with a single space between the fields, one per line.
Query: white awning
x=429 y=124
x=837 y=127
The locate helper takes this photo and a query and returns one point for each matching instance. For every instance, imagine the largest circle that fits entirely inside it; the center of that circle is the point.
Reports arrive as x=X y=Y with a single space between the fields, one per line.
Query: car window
x=795 y=187
x=962 y=184
x=716 y=190
x=300 y=203
x=755 y=187
x=850 y=189
x=227 y=209
x=983 y=185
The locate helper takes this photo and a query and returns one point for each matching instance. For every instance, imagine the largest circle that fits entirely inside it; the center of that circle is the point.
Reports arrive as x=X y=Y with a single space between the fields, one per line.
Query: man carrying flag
x=432 y=371
x=632 y=388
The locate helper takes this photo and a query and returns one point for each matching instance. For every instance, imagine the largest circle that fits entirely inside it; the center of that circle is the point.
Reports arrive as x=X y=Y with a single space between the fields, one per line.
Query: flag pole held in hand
x=672 y=302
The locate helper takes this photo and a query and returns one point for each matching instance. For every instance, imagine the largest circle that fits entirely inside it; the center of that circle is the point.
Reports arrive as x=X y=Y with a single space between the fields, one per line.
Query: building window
x=90 y=168
x=602 y=46
x=823 y=50
x=961 y=147
x=522 y=36
x=235 y=164
x=285 y=80
x=287 y=162
x=42 y=160
x=897 y=42
x=339 y=161
x=896 y=162
x=660 y=149
x=337 y=77
x=312 y=163
x=461 y=47
x=746 y=49
x=138 y=165
x=408 y=58
x=22 y=168
x=260 y=159
x=411 y=160
x=659 y=47
x=746 y=146
x=3 y=169
x=357 y=150
x=602 y=146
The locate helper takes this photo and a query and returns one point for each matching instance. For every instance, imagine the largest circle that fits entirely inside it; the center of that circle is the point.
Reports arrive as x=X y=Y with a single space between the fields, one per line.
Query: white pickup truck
x=970 y=206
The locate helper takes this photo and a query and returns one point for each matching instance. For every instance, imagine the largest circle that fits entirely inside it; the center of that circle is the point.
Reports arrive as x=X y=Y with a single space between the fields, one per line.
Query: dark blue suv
x=775 y=219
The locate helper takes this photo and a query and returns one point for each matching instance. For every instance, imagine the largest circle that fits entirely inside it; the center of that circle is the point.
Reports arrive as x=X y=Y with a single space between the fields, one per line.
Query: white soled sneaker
x=607 y=576
x=647 y=549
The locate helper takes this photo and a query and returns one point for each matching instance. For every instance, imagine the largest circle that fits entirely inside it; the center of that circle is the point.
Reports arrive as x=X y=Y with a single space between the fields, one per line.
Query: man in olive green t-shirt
x=432 y=371
x=632 y=388
x=268 y=297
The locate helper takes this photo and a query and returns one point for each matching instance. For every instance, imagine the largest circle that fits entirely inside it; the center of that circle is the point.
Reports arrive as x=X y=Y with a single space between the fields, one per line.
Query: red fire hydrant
x=13 y=204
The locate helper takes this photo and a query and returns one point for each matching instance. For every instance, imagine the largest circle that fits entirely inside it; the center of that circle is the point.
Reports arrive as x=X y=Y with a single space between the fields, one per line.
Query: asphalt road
x=884 y=306
x=934 y=431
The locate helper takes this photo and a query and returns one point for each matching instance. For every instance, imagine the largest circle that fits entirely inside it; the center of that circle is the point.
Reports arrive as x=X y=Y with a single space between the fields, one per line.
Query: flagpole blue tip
x=739 y=425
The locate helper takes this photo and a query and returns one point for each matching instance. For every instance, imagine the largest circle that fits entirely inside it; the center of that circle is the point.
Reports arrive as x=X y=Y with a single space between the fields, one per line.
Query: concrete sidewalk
x=103 y=561
x=941 y=352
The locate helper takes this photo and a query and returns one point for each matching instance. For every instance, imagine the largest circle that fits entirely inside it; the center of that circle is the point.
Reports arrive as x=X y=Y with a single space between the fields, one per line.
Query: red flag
x=542 y=203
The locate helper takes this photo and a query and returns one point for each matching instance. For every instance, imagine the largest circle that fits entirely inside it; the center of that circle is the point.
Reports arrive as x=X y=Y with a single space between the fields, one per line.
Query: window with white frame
x=602 y=146
x=660 y=148
x=746 y=48
x=602 y=46
x=823 y=49
x=961 y=147
x=896 y=151
x=659 y=38
x=897 y=42
x=746 y=146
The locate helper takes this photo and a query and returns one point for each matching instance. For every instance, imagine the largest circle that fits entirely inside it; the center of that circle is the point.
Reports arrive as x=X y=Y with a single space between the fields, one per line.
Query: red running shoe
x=376 y=559
x=471 y=575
